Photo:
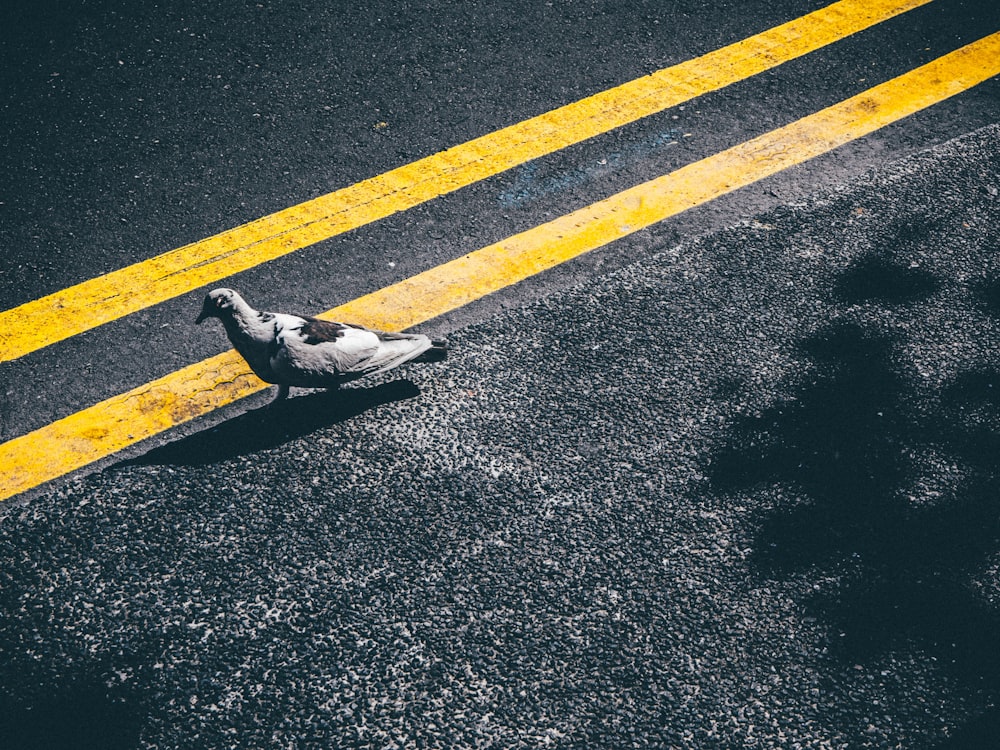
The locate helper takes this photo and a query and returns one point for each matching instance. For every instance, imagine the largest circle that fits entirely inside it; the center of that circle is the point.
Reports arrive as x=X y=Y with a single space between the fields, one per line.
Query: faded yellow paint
x=121 y=421
x=112 y=425
x=92 y=303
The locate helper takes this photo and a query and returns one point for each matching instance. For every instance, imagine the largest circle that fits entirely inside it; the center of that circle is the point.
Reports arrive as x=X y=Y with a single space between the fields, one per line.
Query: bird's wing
x=312 y=349
x=392 y=349
x=314 y=353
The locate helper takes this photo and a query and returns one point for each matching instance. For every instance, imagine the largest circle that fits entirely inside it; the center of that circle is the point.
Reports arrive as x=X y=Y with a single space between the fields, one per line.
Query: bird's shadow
x=275 y=424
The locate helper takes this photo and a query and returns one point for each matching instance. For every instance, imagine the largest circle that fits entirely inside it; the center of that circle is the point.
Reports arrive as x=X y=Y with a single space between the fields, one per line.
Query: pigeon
x=302 y=351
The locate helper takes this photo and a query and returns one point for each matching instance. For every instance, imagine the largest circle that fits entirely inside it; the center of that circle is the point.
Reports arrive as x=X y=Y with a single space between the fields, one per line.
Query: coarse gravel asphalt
x=739 y=494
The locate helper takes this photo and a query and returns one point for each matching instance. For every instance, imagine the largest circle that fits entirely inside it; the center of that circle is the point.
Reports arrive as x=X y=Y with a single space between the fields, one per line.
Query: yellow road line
x=114 y=424
x=92 y=303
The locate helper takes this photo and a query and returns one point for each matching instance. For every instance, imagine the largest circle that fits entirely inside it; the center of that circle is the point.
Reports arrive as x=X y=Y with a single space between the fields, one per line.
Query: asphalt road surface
x=729 y=481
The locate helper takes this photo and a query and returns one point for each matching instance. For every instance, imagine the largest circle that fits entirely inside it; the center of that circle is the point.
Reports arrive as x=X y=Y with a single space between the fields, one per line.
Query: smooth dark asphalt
x=730 y=482
x=739 y=494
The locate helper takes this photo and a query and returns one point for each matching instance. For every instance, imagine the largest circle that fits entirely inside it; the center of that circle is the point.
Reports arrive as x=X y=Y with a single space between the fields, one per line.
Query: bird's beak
x=205 y=313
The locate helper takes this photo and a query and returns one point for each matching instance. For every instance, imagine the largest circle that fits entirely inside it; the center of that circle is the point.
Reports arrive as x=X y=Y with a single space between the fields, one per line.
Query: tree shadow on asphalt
x=853 y=446
x=275 y=424
x=78 y=712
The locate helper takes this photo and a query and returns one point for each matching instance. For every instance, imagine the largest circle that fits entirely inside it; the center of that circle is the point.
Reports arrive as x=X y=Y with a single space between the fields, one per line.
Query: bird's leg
x=282 y=393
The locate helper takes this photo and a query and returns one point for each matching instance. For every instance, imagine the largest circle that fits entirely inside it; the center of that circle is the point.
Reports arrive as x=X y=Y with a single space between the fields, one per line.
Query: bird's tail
x=437 y=352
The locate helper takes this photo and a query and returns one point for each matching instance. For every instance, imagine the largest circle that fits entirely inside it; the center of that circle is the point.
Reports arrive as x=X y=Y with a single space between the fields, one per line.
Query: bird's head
x=219 y=303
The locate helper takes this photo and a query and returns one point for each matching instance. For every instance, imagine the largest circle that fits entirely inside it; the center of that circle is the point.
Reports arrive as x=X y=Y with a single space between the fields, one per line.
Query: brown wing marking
x=317 y=331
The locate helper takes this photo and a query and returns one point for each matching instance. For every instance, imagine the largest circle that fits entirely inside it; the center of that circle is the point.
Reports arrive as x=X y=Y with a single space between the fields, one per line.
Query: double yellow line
x=84 y=306
x=114 y=424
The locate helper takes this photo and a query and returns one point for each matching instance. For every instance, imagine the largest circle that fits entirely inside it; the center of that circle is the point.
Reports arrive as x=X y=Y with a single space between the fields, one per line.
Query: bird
x=306 y=352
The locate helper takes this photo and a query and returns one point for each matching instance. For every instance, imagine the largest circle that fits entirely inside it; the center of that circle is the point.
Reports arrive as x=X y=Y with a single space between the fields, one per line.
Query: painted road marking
x=112 y=425
x=92 y=303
